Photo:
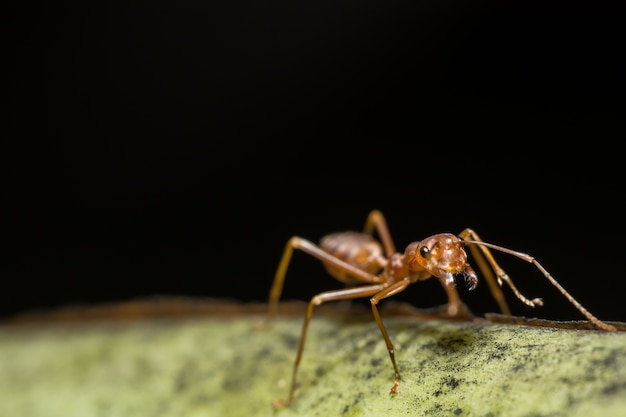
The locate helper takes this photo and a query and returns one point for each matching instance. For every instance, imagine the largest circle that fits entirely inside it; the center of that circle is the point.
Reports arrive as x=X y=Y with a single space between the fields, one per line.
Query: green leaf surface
x=222 y=363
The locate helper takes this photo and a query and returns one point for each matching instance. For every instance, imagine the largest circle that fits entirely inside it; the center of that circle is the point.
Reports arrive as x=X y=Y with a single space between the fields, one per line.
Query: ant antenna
x=504 y=277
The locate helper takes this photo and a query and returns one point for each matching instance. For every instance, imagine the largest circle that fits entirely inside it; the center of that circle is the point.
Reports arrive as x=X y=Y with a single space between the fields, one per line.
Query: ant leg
x=447 y=280
x=496 y=292
x=313 y=250
x=346 y=294
x=376 y=220
x=387 y=292
x=502 y=276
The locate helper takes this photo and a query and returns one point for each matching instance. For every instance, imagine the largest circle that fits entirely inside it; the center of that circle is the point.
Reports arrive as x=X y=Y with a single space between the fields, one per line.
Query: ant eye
x=424 y=251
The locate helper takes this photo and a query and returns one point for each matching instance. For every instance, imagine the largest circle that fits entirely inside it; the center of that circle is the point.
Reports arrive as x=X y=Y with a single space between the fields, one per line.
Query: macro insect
x=372 y=268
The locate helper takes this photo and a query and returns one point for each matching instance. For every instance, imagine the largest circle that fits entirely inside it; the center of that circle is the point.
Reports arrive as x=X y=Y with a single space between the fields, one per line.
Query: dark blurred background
x=174 y=147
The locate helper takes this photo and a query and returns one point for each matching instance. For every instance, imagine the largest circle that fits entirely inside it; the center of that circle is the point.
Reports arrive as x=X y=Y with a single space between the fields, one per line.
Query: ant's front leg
x=388 y=292
x=501 y=275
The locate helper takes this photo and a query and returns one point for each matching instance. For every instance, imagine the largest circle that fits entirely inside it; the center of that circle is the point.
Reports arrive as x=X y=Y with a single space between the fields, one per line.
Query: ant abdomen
x=358 y=249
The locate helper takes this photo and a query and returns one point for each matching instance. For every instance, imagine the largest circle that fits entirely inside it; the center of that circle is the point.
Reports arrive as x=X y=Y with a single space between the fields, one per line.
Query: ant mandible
x=357 y=258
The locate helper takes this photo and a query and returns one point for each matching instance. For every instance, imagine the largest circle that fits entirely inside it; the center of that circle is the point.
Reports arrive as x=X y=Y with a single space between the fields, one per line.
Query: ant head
x=439 y=255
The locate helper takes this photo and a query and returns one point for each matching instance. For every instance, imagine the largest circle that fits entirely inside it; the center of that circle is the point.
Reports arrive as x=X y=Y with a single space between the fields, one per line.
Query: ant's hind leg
x=313 y=250
x=279 y=278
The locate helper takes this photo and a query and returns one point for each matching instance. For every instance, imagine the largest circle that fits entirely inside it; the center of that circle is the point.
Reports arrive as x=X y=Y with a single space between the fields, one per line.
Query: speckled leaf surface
x=227 y=366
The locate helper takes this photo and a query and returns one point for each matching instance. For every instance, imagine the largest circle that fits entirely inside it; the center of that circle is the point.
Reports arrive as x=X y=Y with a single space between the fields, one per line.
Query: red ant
x=357 y=258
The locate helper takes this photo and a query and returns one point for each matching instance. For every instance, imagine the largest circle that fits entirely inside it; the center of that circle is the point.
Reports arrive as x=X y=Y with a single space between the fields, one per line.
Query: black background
x=174 y=147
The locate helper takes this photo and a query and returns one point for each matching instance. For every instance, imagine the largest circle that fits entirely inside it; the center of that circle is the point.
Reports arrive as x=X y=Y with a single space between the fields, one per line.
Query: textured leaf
x=219 y=362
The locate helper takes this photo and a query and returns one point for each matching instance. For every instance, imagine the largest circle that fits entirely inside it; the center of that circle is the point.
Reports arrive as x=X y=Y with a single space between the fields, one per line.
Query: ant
x=357 y=258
